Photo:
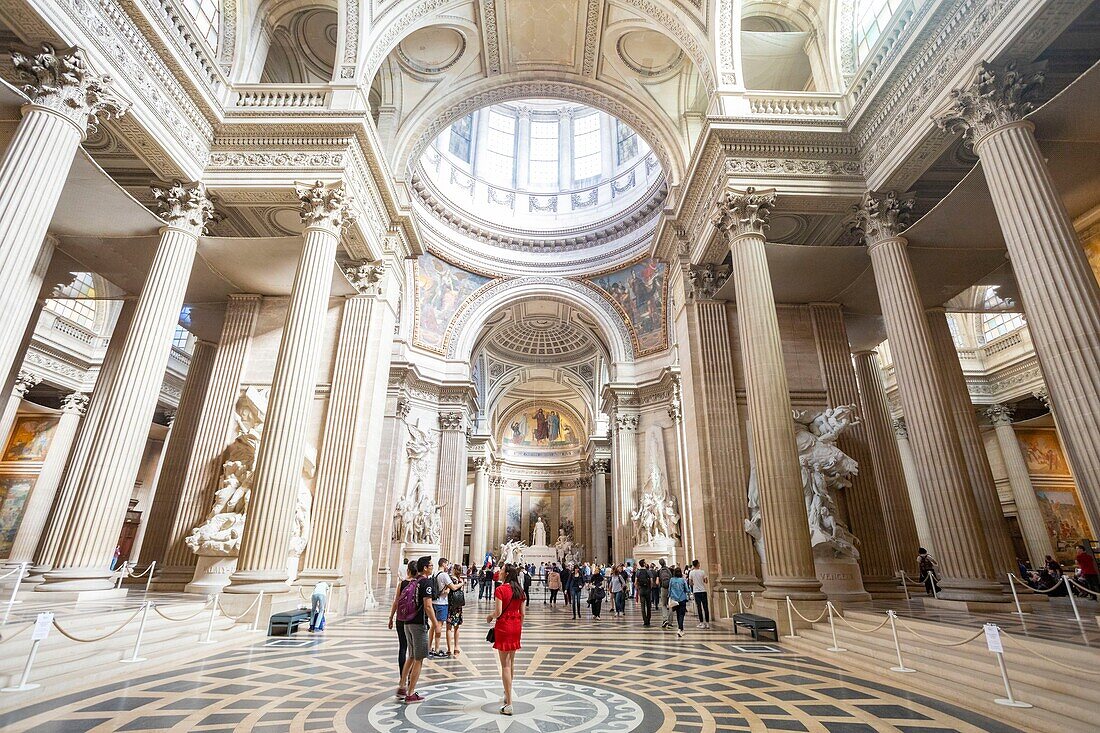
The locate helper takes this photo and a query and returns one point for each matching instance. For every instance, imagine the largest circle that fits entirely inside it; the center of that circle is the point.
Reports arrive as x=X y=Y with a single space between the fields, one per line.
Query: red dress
x=510 y=623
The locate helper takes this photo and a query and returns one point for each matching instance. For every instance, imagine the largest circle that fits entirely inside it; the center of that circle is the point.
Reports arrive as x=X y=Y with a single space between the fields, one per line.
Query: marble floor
x=611 y=676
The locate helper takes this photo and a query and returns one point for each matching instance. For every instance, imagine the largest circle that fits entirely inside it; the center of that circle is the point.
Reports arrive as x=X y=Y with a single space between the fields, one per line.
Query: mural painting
x=513 y=529
x=639 y=291
x=567 y=511
x=14 y=491
x=441 y=289
x=544 y=426
x=1055 y=490
x=30 y=438
x=1043 y=453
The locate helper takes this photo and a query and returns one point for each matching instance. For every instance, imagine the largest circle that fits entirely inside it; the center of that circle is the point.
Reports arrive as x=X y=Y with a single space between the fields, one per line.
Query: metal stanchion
x=832 y=629
x=141 y=632
x=213 y=600
x=1072 y=603
x=726 y=601
x=790 y=620
x=904 y=585
x=149 y=572
x=14 y=591
x=256 y=619
x=897 y=645
x=740 y=602
x=1015 y=598
x=993 y=642
x=40 y=631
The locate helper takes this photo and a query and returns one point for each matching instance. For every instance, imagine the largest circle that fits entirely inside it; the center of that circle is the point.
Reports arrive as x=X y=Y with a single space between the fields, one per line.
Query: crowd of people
x=1049 y=576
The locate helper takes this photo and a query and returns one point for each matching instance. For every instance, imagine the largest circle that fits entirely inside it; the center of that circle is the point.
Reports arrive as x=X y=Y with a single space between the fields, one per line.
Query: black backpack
x=645 y=578
x=456 y=598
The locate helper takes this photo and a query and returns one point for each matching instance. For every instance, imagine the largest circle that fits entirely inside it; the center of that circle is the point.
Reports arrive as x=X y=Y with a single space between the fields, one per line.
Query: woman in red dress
x=508 y=616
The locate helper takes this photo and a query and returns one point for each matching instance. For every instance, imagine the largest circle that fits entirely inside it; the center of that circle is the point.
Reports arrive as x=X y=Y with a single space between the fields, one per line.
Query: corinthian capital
x=62 y=82
x=185 y=206
x=75 y=403
x=901 y=430
x=450 y=420
x=626 y=422
x=325 y=206
x=999 y=414
x=365 y=276
x=24 y=382
x=996 y=96
x=706 y=280
x=881 y=216
x=743 y=211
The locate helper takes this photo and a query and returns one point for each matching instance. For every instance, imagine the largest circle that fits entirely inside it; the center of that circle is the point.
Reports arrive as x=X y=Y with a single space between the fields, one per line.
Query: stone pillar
x=897 y=497
x=912 y=483
x=11 y=379
x=341 y=488
x=265 y=542
x=624 y=485
x=199 y=476
x=48 y=547
x=1034 y=528
x=479 y=534
x=992 y=516
x=866 y=518
x=600 y=468
x=715 y=426
x=66 y=99
x=1060 y=293
x=389 y=482
x=107 y=479
x=177 y=453
x=452 y=482
x=24 y=382
x=42 y=496
x=742 y=218
x=969 y=573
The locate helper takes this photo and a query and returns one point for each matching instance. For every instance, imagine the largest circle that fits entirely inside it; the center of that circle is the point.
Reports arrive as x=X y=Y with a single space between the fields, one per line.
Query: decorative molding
x=24 y=382
x=325 y=206
x=451 y=420
x=61 y=82
x=365 y=276
x=994 y=97
x=75 y=403
x=600 y=465
x=626 y=422
x=186 y=206
x=880 y=217
x=591 y=37
x=999 y=414
x=743 y=211
x=492 y=36
x=706 y=280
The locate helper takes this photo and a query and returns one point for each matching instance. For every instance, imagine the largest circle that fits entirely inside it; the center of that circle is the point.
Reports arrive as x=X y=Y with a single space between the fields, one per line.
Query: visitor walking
x=1086 y=566
x=576 y=587
x=664 y=577
x=416 y=610
x=929 y=571
x=678 y=598
x=596 y=594
x=553 y=584
x=507 y=620
x=527 y=585
x=698 y=582
x=402 y=642
x=456 y=600
x=444 y=584
x=618 y=591
x=318 y=604
x=643 y=581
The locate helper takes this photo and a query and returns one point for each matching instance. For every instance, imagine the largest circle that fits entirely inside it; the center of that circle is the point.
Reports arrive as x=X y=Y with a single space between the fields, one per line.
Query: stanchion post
x=790 y=620
x=149 y=572
x=832 y=628
x=897 y=645
x=1072 y=603
x=935 y=593
x=726 y=601
x=904 y=585
x=23 y=684
x=740 y=602
x=14 y=590
x=1015 y=598
x=141 y=632
x=213 y=600
x=256 y=619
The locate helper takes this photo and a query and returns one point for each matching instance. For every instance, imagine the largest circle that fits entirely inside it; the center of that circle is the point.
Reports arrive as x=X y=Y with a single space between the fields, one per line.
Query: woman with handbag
x=507 y=618
x=677 y=598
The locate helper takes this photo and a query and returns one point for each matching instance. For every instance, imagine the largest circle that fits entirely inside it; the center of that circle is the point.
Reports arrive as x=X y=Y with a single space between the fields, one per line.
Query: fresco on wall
x=13 y=500
x=542 y=425
x=30 y=438
x=1065 y=519
x=513 y=529
x=1091 y=243
x=639 y=293
x=1043 y=452
x=441 y=289
x=568 y=517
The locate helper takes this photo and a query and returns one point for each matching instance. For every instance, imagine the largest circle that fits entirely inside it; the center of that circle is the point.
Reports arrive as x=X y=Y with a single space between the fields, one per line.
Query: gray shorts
x=417 y=637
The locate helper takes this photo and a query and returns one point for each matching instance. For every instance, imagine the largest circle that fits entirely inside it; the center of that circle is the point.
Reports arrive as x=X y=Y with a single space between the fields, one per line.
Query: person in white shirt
x=318 y=602
x=698 y=581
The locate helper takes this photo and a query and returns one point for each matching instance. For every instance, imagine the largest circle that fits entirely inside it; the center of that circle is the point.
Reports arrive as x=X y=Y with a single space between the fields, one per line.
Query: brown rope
x=163 y=615
x=937 y=643
x=67 y=635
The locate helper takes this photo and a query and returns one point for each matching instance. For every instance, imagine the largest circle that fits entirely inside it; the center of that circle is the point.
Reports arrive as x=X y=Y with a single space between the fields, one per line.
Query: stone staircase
x=1065 y=701
x=62 y=664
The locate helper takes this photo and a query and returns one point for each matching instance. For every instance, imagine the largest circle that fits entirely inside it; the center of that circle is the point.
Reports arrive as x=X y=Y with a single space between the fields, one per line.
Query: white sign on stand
x=993 y=639
x=42 y=626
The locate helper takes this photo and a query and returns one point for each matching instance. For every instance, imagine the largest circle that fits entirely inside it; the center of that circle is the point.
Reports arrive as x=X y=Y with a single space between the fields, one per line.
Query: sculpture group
x=418 y=519
x=656 y=519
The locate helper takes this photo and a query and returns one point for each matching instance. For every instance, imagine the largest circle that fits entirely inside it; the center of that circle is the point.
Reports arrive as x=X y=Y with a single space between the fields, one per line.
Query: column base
x=173 y=578
x=743 y=583
x=973 y=591
x=797 y=589
x=77 y=580
x=253 y=582
x=1003 y=606
x=884 y=588
x=79 y=596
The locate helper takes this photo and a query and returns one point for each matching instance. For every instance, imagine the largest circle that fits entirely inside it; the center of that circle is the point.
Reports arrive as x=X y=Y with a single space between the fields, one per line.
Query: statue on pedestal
x=656 y=521
x=417 y=518
x=538 y=535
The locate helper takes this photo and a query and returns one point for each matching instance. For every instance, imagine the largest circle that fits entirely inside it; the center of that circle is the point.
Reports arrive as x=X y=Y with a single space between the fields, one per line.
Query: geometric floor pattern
x=611 y=676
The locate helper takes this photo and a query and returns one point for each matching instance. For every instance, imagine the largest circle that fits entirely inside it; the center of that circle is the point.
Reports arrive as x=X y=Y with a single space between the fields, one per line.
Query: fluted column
x=912 y=483
x=624 y=485
x=1032 y=525
x=265 y=541
x=742 y=218
x=969 y=573
x=897 y=498
x=598 y=550
x=107 y=480
x=866 y=518
x=479 y=534
x=452 y=482
x=338 y=488
x=1060 y=293
x=41 y=498
x=994 y=527
x=199 y=475
x=177 y=453
x=388 y=483
x=713 y=418
x=24 y=382
x=66 y=99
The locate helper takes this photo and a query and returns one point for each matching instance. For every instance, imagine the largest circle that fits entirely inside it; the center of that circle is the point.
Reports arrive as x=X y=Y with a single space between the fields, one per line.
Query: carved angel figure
x=656 y=518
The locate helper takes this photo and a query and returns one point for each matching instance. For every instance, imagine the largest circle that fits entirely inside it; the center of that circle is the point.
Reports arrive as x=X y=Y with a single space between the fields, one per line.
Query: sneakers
x=680 y=633
x=506 y=710
x=700 y=626
x=415 y=697
x=706 y=625
x=401 y=693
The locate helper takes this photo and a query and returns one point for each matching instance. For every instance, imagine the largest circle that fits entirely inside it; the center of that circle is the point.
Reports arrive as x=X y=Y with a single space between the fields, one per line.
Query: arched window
x=586 y=147
x=998 y=324
x=75 y=301
x=871 y=19
x=207 y=15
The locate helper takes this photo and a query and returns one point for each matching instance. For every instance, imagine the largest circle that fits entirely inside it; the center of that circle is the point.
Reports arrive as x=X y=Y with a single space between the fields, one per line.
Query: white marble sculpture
x=417 y=519
x=538 y=535
x=567 y=552
x=511 y=553
x=825 y=470
x=656 y=520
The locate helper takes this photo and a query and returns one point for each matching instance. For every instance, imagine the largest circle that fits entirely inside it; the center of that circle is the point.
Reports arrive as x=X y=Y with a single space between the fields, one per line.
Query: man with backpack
x=664 y=576
x=444 y=585
x=415 y=610
x=643 y=582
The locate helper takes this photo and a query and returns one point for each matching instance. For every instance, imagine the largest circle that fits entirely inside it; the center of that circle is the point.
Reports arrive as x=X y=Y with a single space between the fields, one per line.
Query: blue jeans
x=576 y=596
x=620 y=601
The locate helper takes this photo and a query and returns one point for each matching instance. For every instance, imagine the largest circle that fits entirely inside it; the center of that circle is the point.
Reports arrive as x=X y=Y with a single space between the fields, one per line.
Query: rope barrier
x=862 y=630
x=237 y=618
x=1027 y=648
x=141 y=574
x=13 y=571
x=17 y=633
x=67 y=635
x=163 y=615
x=824 y=613
x=1086 y=589
x=936 y=643
x=1051 y=589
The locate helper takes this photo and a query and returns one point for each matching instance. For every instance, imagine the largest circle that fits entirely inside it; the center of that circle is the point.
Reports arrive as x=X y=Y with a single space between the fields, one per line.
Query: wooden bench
x=755 y=624
x=285 y=623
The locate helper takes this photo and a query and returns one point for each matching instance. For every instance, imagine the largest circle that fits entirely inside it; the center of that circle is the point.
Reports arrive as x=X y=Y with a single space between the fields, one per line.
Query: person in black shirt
x=643 y=580
x=416 y=630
